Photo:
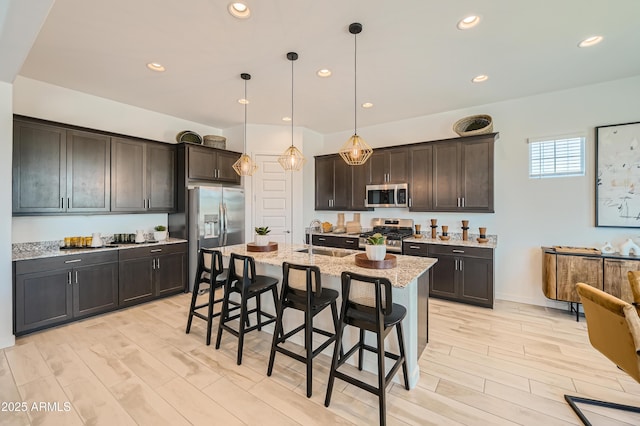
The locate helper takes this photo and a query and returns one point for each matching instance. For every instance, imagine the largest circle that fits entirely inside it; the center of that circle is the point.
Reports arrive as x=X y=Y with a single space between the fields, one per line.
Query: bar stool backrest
x=301 y=278
x=242 y=268
x=365 y=293
x=210 y=264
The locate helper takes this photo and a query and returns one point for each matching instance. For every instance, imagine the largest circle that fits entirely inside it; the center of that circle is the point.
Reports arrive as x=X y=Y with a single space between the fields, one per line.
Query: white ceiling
x=412 y=60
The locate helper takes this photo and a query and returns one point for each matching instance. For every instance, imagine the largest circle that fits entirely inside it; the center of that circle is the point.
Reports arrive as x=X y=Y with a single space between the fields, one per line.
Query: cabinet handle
x=73 y=261
x=148 y=203
x=68 y=202
x=460 y=263
x=456 y=267
x=69 y=277
x=153 y=263
x=463 y=202
x=157 y=263
x=155 y=251
x=321 y=239
x=76 y=273
x=457 y=251
x=414 y=247
x=62 y=203
x=349 y=241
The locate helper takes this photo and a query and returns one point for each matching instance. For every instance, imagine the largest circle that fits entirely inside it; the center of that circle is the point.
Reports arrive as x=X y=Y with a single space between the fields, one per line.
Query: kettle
x=96 y=240
x=140 y=236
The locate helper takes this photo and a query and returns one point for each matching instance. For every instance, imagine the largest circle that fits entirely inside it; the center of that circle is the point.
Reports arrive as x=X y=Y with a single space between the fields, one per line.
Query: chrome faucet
x=315 y=224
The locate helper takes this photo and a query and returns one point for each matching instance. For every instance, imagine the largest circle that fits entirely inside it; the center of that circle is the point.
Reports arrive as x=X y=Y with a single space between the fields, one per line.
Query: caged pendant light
x=245 y=165
x=292 y=159
x=355 y=151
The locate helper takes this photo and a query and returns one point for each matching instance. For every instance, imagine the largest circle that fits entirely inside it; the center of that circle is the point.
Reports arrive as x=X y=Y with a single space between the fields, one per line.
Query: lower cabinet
x=149 y=272
x=52 y=291
x=55 y=290
x=463 y=274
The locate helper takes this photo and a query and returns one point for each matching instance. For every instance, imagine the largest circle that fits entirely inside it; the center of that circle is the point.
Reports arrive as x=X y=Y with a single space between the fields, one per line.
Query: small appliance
x=387 y=195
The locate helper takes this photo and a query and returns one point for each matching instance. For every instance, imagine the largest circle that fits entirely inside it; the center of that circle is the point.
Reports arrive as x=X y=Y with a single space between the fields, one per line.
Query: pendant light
x=355 y=151
x=245 y=165
x=292 y=159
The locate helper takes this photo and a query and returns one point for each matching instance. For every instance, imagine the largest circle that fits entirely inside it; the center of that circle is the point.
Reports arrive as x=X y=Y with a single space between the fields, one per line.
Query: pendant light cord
x=355 y=84
x=245 y=116
x=292 y=103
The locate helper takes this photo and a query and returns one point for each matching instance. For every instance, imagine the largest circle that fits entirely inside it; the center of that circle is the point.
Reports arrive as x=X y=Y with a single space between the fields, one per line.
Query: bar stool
x=211 y=272
x=367 y=304
x=242 y=279
x=302 y=290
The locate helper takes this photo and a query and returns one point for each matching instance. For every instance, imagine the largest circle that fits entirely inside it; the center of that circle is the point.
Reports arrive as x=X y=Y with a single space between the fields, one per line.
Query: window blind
x=556 y=157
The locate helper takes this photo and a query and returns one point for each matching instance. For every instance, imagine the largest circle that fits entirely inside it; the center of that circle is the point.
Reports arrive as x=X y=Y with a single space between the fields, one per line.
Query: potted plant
x=262 y=237
x=160 y=233
x=376 y=250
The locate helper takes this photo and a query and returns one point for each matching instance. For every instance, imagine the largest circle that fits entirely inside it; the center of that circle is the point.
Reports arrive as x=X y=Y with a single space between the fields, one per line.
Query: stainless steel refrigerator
x=216 y=219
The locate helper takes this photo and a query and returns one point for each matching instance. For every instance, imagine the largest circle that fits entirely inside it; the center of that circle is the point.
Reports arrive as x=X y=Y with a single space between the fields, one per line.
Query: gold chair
x=614 y=330
x=634 y=282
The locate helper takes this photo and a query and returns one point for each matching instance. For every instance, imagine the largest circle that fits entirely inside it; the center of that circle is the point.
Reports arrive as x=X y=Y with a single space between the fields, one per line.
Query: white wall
x=6 y=279
x=528 y=213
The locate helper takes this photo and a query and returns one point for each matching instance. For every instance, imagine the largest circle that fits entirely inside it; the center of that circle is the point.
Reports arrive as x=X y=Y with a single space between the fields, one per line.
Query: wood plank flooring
x=506 y=366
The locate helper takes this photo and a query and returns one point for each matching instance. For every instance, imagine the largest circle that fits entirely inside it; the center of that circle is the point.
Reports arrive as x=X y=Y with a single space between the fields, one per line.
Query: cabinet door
x=42 y=299
x=202 y=163
x=443 y=281
x=575 y=269
x=135 y=283
x=358 y=187
x=39 y=168
x=397 y=169
x=170 y=273
x=341 y=184
x=445 y=176
x=224 y=164
x=161 y=177
x=324 y=182
x=476 y=281
x=95 y=289
x=420 y=159
x=378 y=167
x=616 y=281
x=128 y=175
x=476 y=182
x=88 y=172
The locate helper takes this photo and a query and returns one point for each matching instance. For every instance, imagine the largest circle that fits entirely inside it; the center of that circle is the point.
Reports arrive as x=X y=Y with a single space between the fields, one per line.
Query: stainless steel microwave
x=387 y=195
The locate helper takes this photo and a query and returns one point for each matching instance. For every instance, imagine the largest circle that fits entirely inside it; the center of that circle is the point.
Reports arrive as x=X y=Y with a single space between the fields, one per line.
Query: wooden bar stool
x=302 y=290
x=210 y=272
x=367 y=304
x=242 y=279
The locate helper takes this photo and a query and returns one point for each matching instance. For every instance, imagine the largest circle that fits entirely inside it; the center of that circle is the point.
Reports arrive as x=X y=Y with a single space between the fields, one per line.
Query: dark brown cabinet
x=148 y=272
x=57 y=170
x=55 y=290
x=463 y=274
x=420 y=170
x=462 y=175
x=210 y=164
x=358 y=188
x=144 y=176
x=388 y=165
x=333 y=183
x=335 y=241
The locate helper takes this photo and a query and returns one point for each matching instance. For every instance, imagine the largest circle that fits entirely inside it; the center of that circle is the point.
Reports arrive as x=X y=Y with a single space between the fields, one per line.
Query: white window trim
x=532 y=142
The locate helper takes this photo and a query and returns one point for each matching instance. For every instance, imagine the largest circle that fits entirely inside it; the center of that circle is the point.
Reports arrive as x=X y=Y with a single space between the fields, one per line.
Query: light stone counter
x=456 y=240
x=410 y=279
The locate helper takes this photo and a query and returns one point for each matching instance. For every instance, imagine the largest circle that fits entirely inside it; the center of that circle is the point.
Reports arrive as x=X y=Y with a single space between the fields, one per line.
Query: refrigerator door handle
x=224 y=218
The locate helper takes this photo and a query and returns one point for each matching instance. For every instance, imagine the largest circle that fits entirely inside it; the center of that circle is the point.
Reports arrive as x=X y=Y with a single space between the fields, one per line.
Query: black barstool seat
x=302 y=290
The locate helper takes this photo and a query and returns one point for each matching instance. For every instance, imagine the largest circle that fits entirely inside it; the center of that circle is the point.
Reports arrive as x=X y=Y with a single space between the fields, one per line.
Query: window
x=556 y=157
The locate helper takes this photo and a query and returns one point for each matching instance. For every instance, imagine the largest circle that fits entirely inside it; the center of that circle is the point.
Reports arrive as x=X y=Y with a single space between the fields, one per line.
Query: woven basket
x=215 y=141
x=474 y=125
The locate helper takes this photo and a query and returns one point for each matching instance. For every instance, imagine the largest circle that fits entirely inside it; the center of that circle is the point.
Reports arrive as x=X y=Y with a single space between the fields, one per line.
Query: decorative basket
x=189 y=136
x=474 y=125
x=215 y=141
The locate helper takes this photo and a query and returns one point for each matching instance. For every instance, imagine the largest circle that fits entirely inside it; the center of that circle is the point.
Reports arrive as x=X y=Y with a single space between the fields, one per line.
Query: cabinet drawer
x=484 y=253
x=347 y=242
x=415 y=249
x=138 y=252
x=323 y=240
x=63 y=262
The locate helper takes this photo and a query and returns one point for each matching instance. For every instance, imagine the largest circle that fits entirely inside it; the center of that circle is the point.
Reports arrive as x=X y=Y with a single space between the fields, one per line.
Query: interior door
x=272 y=198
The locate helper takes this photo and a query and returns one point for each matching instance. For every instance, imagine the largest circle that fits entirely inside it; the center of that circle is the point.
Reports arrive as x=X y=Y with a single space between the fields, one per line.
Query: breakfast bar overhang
x=410 y=280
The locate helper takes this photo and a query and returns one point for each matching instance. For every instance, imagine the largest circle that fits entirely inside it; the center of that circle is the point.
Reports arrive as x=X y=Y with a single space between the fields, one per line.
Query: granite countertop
x=38 y=250
x=408 y=268
x=456 y=240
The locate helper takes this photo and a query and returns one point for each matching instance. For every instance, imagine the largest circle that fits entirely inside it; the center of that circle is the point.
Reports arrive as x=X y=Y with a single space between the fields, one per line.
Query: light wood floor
x=509 y=365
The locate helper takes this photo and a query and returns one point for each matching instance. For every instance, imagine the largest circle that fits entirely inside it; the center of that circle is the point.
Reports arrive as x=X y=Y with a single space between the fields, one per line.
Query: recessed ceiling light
x=239 y=10
x=468 y=22
x=591 y=41
x=367 y=105
x=154 y=66
x=286 y=118
x=243 y=101
x=323 y=73
x=480 y=78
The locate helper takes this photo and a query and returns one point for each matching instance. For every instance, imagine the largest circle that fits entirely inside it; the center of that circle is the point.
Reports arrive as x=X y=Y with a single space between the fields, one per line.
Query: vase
x=376 y=252
x=261 y=240
x=628 y=247
x=159 y=235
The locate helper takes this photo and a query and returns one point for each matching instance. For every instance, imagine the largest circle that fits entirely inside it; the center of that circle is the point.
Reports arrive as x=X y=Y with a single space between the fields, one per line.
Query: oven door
x=381 y=196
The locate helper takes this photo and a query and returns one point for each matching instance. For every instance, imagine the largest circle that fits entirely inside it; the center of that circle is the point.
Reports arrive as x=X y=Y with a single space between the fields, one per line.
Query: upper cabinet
x=420 y=168
x=144 y=176
x=462 y=176
x=388 y=165
x=332 y=183
x=58 y=170
x=210 y=164
x=61 y=169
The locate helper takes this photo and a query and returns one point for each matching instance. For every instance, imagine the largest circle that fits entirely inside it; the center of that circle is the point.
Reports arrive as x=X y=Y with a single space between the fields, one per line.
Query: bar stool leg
x=337 y=349
x=382 y=385
x=308 y=344
x=244 y=317
x=212 y=292
x=259 y=312
x=402 y=354
x=192 y=307
x=361 y=350
x=224 y=314
x=277 y=334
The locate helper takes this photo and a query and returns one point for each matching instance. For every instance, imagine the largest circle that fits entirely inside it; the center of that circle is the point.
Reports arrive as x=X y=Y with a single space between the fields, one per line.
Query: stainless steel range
x=394 y=230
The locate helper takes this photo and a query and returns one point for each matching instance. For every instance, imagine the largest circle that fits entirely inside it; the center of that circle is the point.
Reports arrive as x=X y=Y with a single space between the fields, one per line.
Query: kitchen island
x=410 y=280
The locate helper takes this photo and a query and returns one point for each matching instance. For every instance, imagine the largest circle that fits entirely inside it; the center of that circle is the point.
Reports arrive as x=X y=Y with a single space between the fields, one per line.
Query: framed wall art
x=618 y=175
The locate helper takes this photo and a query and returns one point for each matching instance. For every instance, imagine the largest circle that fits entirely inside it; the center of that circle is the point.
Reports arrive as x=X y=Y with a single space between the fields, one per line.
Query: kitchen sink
x=325 y=252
